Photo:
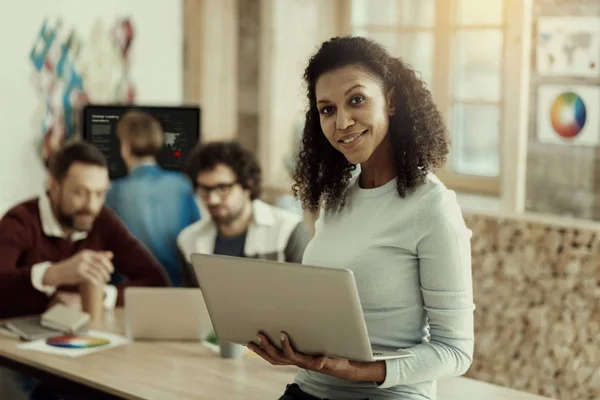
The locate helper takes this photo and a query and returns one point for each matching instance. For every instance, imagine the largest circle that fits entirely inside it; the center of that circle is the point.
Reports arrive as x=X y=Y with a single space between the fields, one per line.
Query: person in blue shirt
x=155 y=204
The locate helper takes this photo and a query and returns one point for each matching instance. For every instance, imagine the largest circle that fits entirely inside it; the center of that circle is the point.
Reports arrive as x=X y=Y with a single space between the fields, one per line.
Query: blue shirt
x=156 y=205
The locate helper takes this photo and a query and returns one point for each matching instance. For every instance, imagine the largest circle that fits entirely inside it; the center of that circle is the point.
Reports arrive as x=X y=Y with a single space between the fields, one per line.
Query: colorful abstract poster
x=70 y=71
x=568 y=115
x=568 y=46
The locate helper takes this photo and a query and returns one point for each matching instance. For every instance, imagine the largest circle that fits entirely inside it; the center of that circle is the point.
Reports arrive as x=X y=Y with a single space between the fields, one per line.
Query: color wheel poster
x=76 y=345
x=568 y=114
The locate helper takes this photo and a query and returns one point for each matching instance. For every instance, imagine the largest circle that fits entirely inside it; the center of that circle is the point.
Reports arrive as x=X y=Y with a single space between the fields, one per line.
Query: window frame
x=515 y=69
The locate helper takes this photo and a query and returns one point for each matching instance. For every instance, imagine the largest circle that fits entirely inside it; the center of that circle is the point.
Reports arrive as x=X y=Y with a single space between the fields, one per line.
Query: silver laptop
x=166 y=314
x=317 y=307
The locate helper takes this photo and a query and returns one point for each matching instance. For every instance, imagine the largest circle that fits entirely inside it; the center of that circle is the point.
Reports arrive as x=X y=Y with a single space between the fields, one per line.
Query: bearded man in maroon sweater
x=50 y=244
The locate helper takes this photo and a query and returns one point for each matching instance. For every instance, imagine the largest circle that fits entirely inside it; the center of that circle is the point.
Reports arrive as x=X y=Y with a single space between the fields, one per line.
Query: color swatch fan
x=566 y=115
x=76 y=345
x=77 y=342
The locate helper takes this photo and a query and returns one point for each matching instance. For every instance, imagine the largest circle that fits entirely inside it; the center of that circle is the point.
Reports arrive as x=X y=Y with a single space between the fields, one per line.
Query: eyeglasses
x=221 y=189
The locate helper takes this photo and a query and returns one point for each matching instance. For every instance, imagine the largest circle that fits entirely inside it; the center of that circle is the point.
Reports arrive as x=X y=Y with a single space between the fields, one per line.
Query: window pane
x=393 y=12
x=475 y=140
x=375 y=12
x=417 y=13
x=478 y=65
x=478 y=12
x=414 y=48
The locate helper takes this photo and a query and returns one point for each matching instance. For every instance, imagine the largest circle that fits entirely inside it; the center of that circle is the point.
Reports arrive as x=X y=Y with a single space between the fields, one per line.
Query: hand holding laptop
x=337 y=367
x=241 y=305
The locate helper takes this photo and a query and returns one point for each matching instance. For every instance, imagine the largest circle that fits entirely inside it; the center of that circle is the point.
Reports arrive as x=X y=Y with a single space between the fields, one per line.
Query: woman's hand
x=337 y=367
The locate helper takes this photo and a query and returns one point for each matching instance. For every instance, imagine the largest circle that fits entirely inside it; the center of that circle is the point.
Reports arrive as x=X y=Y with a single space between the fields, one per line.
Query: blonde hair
x=142 y=132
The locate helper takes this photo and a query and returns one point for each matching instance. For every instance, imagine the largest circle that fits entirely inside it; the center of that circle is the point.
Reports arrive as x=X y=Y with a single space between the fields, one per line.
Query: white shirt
x=411 y=258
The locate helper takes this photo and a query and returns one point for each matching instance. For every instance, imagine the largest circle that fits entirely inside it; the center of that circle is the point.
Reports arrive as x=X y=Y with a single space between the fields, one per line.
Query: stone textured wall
x=248 y=59
x=537 y=296
x=561 y=180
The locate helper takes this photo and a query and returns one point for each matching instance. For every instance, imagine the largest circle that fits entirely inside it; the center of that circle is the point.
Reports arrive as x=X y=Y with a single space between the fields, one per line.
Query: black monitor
x=180 y=124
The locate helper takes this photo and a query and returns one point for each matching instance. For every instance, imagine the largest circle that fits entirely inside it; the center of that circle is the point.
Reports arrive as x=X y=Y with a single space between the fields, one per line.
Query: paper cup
x=231 y=350
x=92 y=300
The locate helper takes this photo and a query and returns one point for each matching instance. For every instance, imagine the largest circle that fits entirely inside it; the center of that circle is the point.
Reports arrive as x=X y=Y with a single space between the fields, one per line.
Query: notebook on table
x=57 y=321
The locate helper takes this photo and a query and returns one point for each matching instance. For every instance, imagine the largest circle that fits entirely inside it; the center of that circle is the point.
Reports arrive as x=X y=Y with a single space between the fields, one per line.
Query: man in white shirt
x=227 y=178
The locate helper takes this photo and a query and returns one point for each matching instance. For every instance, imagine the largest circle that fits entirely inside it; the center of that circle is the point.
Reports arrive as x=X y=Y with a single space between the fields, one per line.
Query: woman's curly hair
x=419 y=137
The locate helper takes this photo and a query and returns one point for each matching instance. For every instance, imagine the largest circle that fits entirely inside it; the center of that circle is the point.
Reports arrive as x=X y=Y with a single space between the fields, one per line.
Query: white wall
x=156 y=67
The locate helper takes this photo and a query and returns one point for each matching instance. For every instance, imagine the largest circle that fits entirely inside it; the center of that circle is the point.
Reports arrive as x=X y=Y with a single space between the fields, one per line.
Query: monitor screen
x=180 y=124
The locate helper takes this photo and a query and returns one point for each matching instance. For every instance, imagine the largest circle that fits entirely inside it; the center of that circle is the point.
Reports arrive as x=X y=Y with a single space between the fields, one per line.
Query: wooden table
x=179 y=370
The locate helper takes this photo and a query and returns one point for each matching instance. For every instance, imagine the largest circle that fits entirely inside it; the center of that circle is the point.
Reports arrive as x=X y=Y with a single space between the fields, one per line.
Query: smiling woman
x=395 y=226
x=354 y=121
x=357 y=93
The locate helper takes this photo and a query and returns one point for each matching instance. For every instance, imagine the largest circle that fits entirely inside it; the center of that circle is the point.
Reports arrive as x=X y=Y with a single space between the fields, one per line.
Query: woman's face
x=354 y=111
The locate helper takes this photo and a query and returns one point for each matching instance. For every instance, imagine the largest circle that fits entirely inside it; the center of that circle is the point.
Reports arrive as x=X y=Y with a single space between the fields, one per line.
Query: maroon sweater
x=24 y=244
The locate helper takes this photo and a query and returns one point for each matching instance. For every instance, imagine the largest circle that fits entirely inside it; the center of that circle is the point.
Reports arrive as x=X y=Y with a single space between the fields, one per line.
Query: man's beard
x=76 y=220
x=227 y=219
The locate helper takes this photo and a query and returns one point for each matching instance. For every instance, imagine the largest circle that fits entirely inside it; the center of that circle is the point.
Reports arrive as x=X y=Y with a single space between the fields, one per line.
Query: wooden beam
x=291 y=32
x=515 y=117
x=210 y=62
x=192 y=51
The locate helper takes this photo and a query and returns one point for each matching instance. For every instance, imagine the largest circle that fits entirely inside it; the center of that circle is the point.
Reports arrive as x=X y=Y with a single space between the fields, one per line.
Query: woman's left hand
x=337 y=367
